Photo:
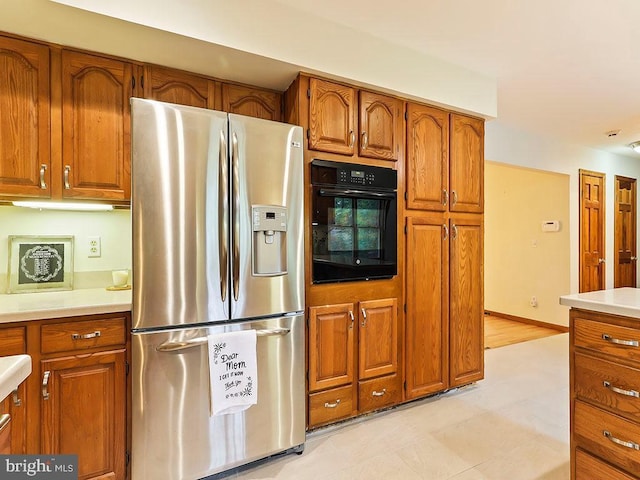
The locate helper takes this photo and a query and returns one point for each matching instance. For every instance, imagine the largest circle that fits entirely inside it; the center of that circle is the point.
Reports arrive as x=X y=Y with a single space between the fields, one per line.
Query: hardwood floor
x=499 y=332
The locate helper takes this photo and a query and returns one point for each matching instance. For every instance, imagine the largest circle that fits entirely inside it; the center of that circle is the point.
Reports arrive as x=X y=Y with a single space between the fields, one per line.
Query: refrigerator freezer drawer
x=174 y=435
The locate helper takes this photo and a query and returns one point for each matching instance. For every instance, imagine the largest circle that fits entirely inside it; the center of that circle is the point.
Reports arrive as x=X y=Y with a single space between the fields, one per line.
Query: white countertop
x=42 y=305
x=13 y=371
x=617 y=301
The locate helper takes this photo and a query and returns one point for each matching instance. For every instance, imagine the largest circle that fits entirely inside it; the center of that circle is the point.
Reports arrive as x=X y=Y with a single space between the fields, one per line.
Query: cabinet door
x=13 y=342
x=175 y=86
x=331 y=346
x=84 y=412
x=378 y=338
x=332 y=117
x=96 y=127
x=427 y=330
x=252 y=102
x=381 y=123
x=466 y=164
x=25 y=160
x=427 y=158
x=466 y=341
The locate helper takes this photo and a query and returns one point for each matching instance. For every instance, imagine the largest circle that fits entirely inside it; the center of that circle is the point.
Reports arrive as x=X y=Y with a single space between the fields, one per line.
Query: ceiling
x=564 y=68
x=569 y=69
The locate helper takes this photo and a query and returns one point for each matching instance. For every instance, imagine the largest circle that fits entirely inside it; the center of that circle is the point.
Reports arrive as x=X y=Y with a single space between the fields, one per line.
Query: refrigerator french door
x=217 y=247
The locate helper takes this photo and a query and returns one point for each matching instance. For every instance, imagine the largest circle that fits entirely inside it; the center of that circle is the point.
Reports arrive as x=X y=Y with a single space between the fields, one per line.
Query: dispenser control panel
x=269 y=240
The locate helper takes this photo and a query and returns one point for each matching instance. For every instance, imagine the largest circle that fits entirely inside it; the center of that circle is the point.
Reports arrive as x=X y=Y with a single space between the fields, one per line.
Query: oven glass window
x=354 y=225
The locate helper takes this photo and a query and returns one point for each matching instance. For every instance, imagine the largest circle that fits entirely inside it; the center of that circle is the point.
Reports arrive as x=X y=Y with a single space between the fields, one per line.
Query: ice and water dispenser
x=269 y=240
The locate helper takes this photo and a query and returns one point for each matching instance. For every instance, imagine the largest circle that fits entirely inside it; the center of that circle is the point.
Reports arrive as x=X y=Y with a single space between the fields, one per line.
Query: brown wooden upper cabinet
x=25 y=160
x=175 y=86
x=334 y=126
x=96 y=127
x=252 y=102
x=445 y=161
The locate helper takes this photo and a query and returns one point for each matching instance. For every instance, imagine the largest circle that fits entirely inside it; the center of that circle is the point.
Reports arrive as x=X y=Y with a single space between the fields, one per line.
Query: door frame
x=602 y=233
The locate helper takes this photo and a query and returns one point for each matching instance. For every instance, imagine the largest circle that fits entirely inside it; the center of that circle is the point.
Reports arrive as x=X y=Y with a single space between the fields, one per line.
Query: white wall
x=508 y=145
x=114 y=229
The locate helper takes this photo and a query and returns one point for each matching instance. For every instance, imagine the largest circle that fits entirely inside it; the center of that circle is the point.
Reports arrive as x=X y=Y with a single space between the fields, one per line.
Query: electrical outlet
x=533 y=301
x=95 y=249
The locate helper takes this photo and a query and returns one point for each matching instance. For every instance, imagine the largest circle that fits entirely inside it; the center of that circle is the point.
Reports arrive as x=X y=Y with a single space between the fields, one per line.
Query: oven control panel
x=324 y=172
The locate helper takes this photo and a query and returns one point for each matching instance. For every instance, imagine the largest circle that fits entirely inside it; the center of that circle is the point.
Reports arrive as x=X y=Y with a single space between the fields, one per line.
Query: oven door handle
x=360 y=193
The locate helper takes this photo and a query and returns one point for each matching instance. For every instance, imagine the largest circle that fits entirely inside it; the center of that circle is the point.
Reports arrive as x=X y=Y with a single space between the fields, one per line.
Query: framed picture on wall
x=40 y=262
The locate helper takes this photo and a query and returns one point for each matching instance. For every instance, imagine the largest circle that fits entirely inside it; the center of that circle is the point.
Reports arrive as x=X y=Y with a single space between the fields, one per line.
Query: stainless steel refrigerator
x=217 y=247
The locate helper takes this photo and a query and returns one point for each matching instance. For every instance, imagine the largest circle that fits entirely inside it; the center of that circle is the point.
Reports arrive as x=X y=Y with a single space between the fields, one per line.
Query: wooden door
x=332 y=117
x=25 y=161
x=466 y=312
x=625 y=233
x=13 y=342
x=175 y=86
x=427 y=158
x=85 y=412
x=378 y=338
x=252 y=102
x=592 y=218
x=466 y=164
x=96 y=127
x=427 y=297
x=331 y=346
x=381 y=122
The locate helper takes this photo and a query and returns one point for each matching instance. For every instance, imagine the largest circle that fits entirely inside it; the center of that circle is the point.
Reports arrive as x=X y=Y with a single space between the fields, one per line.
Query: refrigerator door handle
x=199 y=341
x=235 y=212
x=223 y=203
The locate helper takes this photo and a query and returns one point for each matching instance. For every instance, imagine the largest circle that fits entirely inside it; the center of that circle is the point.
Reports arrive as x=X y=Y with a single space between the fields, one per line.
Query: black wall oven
x=354 y=222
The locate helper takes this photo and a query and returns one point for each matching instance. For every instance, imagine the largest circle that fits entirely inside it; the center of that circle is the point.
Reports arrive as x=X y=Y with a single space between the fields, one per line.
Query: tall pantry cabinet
x=444 y=248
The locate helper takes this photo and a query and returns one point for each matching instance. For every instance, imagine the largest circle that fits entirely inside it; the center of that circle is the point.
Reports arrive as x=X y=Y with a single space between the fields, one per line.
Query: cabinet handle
x=364 y=316
x=332 y=405
x=454 y=197
x=16 y=400
x=352 y=319
x=601 y=260
x=4 y=421
x=379 y=394
x=45 y=385
x=631 y=445
x=352 y=138
x=621 y=391
x=628 y=343
x=365 y=140
x=86 y=336
x=454 y=231
x=67 y=169
x=445 y=197
x=446 y=231
x=633 y=259
x=43 y=171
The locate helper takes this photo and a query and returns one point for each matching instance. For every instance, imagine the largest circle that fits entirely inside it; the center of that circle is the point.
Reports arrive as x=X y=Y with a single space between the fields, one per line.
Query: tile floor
x=513 y=425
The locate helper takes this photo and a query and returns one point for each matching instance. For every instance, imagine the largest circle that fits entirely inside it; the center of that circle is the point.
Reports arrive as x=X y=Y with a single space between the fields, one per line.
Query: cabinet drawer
x=591 y=468
x=608 y=436
x=615 y=340
x=610 y=384
x=379 y=393
x=332 y=405
x=12 y=341
x=80 y=335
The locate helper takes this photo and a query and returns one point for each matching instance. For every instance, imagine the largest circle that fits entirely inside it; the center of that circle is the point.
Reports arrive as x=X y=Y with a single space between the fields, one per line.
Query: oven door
x=354 y=234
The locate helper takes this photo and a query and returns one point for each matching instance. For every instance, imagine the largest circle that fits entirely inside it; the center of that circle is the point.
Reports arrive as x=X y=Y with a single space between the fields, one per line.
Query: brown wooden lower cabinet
x=591 y=468
x=353 y=359
x=75 y=400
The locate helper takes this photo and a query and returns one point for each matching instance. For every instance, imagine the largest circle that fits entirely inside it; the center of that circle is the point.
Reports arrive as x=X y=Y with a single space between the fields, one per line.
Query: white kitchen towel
x=233 y=371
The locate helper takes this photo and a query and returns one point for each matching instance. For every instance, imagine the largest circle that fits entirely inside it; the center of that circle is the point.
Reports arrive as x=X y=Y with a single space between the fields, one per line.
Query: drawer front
x=379 y=393
x=330 y=406
x=608 y=436
x=81 y=335
x=591 y=468
x=12 y=341
x=609 y=384
x=615 y=340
